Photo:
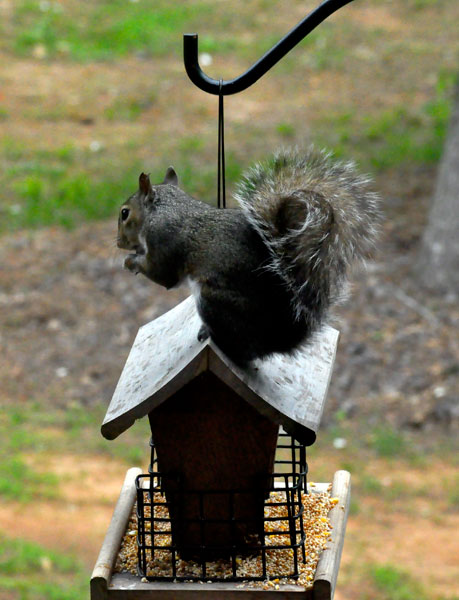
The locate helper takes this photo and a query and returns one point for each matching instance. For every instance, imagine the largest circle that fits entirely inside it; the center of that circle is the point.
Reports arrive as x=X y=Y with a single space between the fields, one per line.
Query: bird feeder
x=215 y=430
x=220 y=434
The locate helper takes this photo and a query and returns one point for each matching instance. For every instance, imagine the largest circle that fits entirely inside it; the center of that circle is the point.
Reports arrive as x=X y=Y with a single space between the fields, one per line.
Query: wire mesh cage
x=180 y=533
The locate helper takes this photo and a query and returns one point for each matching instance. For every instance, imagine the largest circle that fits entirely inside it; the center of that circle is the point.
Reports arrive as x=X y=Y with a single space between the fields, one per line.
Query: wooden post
x=107 y=557
x=328 y=566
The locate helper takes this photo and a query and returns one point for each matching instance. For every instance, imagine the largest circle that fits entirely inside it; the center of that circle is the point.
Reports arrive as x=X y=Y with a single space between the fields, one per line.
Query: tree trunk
x=438 y=262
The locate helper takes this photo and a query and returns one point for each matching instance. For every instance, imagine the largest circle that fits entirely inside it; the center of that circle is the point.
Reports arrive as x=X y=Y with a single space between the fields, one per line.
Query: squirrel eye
x=124 y=214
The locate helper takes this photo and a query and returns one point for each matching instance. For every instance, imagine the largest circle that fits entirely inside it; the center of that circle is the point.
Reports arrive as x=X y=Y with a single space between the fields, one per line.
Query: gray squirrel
x=265 y=274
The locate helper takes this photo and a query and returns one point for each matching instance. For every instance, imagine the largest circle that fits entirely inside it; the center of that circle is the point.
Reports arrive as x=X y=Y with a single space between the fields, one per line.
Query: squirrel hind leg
x=234 y=353
x=241 y=355
x=203 y=333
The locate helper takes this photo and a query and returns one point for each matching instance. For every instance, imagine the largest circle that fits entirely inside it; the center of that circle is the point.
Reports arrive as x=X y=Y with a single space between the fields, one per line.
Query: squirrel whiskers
x=264 y=275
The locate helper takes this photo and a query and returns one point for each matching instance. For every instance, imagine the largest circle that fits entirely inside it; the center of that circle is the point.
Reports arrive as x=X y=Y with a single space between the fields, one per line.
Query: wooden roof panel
x=291 y=390
x=166 y=355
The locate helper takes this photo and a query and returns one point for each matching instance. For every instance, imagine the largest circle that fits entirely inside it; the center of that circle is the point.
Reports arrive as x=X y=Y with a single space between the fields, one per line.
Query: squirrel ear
x=171 y=176
x=144 y=184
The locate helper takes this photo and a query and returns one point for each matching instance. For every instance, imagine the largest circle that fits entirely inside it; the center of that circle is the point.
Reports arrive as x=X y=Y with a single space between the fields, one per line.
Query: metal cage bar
x=151 y=497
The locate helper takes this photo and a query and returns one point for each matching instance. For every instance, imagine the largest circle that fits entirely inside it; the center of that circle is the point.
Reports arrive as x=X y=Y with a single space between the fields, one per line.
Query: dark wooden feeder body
x=215 y=425
x=217 y=443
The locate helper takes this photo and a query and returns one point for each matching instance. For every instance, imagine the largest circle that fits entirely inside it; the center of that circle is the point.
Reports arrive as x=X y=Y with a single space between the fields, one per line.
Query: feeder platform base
x=106 y=585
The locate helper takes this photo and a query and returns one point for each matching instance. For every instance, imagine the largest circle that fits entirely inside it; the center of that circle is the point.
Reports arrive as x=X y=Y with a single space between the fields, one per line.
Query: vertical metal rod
x=152 y=521
x=305 y=484
x=263 y=554
x=289 y=497
x=141 y=530
x=202 y=527
x=304 y=467
x=174 y=562
x=233 y=534
x=293 y=449
x=179 y=496
x=303 y=538
x=295 y=562
x=140 y=524
x=221 y=195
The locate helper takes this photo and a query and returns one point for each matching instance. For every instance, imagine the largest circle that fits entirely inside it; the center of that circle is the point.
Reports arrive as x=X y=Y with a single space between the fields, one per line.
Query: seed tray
x=107 y=585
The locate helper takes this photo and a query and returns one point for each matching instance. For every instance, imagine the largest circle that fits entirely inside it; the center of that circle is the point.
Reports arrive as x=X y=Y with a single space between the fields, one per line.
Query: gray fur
x=265 y=274
x=333 y=221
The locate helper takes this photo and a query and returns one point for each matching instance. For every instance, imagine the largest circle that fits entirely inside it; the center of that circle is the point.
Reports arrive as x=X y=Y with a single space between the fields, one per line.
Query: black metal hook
x=268 y=60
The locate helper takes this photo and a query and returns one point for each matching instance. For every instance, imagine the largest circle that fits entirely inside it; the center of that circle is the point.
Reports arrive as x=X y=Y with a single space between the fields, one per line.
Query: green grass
x=396 y=136
x=19 y=481
x=129 y=108
x=67 y=200
x=286 y=130
x=61 y=186
x=106 y=30
x=420 y=4
x=27 y=570
x=43 y=431
x=388 y=442
x=325 y=48
x=451 y=488
x=66 y=187
x=395 y=584
x=18 y=556
x=383 y=441
x=103 y=30
x=370 y=484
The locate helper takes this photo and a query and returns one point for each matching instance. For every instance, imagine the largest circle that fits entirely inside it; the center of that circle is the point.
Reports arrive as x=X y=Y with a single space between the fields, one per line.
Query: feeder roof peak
x=166 y=355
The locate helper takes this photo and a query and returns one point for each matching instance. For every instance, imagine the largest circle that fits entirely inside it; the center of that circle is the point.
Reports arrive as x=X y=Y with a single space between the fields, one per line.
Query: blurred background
x=92 y=93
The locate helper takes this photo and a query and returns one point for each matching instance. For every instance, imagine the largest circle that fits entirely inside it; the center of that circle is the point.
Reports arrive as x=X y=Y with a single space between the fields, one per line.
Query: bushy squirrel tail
x=317 y=215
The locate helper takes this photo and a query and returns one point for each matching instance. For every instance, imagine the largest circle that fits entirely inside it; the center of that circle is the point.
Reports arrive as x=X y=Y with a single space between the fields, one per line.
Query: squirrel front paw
x=132 y=264
x=203 y=333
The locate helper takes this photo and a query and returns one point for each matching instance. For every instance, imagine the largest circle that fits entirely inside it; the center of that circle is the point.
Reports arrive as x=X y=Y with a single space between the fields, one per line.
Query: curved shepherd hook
x=268 y=60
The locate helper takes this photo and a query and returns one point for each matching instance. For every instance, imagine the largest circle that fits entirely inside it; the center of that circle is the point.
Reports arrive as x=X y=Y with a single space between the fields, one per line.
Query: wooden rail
x=106 y=585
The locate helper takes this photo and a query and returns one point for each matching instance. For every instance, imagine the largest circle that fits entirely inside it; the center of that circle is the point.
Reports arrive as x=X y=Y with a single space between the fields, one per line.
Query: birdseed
x=317 y=506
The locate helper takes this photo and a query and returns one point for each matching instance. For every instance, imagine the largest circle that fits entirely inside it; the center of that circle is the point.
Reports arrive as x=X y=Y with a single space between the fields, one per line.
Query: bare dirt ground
x=70 y=314
x=77 y=522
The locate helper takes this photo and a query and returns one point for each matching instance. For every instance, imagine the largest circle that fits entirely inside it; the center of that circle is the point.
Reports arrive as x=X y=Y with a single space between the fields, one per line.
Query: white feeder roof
x=166 y=355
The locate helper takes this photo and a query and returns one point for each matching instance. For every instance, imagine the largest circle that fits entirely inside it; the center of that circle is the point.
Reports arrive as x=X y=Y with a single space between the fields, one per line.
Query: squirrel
x=265 y=274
